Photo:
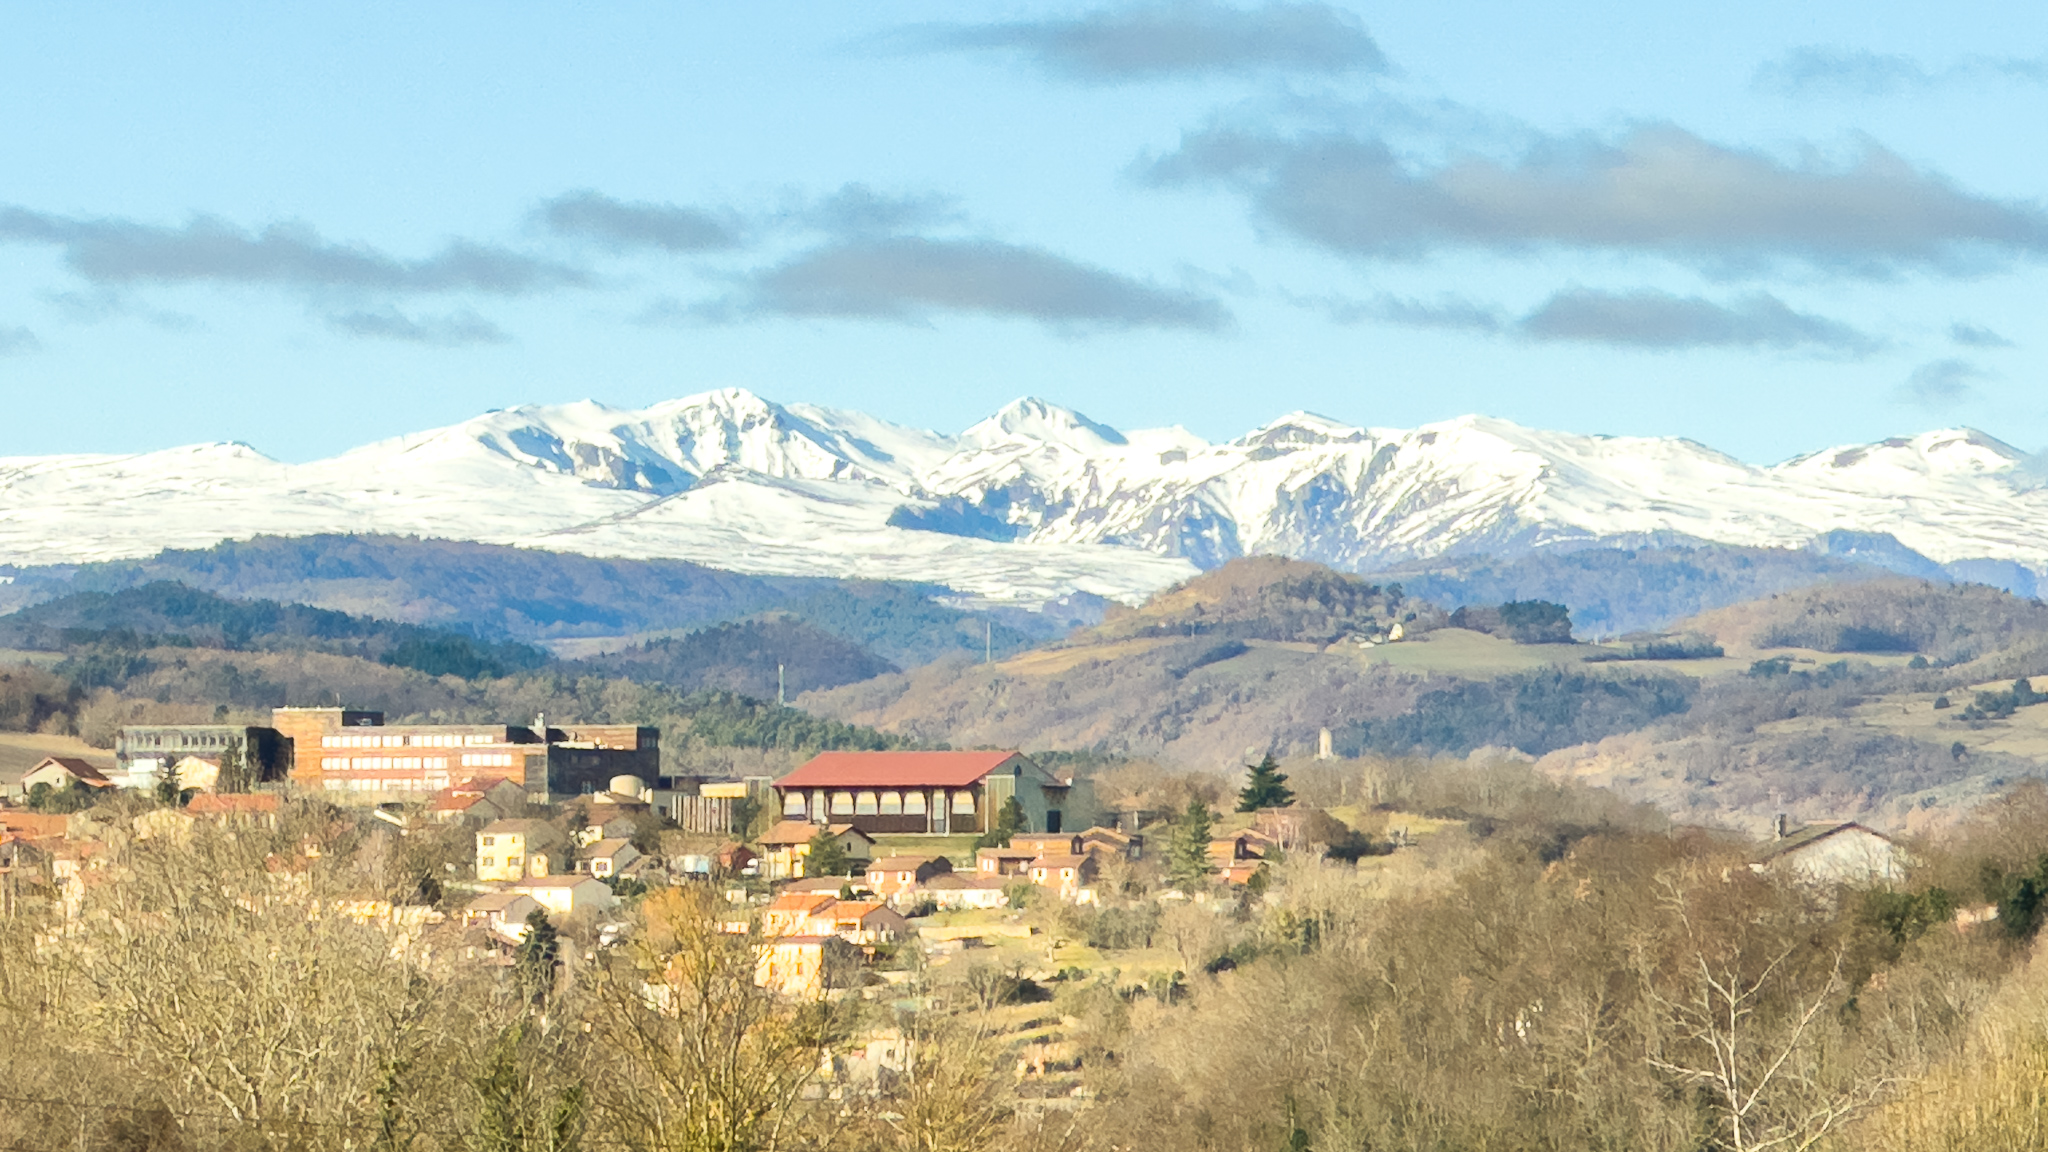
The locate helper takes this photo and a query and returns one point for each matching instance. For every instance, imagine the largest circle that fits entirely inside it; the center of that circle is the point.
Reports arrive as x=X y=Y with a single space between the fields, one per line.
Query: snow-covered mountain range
x=1034 y=502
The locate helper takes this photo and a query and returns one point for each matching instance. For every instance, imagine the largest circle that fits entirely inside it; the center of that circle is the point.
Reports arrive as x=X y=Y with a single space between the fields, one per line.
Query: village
x=851 y=874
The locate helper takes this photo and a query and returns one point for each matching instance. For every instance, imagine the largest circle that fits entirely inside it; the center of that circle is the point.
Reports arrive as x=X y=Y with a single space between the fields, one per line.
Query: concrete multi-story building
x=353 y=751
x=341 y=750
x=144 y=751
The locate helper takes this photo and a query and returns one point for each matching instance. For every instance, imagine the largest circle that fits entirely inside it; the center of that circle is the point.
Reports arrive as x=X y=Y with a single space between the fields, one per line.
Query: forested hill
x=165 y=614
x=555 y=598
x=1614 y=591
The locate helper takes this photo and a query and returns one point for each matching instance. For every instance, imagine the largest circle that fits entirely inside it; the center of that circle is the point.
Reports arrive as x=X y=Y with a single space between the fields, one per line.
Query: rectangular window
x=963 y=803
x=793 y=805
x=892 y=803
x=842 y=803
x=864 y=804
x=913 y=804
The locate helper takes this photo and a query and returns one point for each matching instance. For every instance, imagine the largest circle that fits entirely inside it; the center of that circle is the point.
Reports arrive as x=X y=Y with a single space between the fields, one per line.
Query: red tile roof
x=895 y=769
x=34 y=825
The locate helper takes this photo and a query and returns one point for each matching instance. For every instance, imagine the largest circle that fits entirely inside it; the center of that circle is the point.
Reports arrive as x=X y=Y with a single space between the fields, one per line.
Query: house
x=504 y=913
x=863 y=922
x=1225 y=851
x=787 y=846
x=805 y=967
x=567 y=895
x=893 y=876
x=196 y=774
x=480 y=798
x=61 y=772
x=1067 y=874
x=1046 y=844
x=34 y=825
x=1108 y=842
x=951 y=891
x=1010 y=861
x=514 y=849
x=239 y=807
x=791 y=914
x=1833 y=852
x=608 y=858
x=1240 y=872
x=929 y=793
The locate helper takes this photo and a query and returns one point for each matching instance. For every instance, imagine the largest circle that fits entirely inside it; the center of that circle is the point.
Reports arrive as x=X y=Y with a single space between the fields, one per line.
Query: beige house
x=605 y=858
x=1833 y=852
x=1069 y=875
x=515 y=849
x=864 y=922
x=485 y=799
x=567 y=895
x=504 y=913
x=895 y=877
x=61 y=772
x=791 y=914
x=805 y=967
x=786 y=848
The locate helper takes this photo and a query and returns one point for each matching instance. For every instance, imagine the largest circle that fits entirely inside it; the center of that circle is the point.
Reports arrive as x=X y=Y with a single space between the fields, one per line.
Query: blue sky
x=1768 y=227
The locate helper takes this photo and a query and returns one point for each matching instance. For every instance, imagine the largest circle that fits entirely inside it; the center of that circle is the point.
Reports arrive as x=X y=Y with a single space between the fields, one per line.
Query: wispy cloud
x=1647 y=318
x=620 y=225
x=1816 y=70
x=1644 y=319
x=1971 y=336
x=858 y=210
x=1657 y=190
x=1450 y=311
x=1189 y=38
x=1941 y=384
x=455 y=330
x=907 y=278
x=14 y=341
x=206 y=249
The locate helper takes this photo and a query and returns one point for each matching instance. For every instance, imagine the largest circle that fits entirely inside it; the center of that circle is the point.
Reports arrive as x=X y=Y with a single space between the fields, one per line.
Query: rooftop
x=896 y=769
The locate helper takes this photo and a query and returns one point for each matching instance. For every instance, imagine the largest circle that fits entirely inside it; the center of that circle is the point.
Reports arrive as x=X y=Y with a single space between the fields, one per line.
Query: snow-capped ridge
x=1037 y=500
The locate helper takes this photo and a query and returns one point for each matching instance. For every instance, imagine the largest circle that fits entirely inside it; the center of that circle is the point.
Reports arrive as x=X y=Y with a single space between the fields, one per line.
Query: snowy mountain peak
x=1039 y=422
x=1036 y=501
x=1297 y=429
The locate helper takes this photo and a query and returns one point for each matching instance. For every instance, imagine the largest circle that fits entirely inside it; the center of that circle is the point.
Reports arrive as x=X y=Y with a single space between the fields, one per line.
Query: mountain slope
x=1037 y=501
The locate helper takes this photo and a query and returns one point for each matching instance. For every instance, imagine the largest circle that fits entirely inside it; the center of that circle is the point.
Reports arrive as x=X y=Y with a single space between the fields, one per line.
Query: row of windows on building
x=186 y=740
x=383 y=784
x=435 y=740
x=401 y=763
x=882 y=803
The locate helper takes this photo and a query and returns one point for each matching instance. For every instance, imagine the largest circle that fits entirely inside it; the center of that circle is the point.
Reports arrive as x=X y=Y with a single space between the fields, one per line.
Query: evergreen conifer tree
x=827 y=856
x=1009 y=822
x=1187 y=854
x=1267 y=788
x=536 y=955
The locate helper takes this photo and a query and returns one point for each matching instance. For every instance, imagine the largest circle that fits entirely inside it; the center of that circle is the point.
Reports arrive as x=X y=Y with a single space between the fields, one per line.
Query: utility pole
x=781 y=689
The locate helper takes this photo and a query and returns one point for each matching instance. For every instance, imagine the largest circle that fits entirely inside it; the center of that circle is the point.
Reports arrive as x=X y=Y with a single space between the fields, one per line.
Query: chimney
x=1782 y=825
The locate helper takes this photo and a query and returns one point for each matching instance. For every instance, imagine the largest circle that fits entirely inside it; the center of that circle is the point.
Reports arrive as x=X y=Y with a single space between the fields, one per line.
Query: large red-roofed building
x=936 y=793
